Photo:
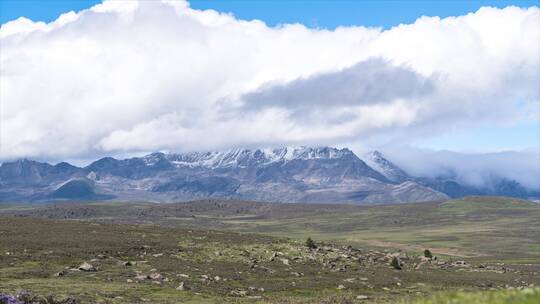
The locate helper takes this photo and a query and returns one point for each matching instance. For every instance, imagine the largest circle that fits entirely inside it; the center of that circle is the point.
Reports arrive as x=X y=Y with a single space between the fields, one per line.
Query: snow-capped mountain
x=287 y=174
x=391 y=171
x=243 y=158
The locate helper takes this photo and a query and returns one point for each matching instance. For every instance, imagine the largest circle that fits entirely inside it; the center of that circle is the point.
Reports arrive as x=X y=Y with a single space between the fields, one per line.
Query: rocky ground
x=90 y=262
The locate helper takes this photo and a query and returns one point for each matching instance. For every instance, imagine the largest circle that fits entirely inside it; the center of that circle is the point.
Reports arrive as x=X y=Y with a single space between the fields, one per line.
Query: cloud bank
x=474 y=169
x=128 y=76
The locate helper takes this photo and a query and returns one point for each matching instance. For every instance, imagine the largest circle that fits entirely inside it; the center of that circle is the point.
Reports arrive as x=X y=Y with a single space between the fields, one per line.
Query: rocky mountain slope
x=299 y=174
x=447 y=183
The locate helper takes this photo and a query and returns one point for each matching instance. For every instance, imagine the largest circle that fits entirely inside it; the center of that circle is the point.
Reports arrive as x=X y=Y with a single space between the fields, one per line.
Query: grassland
x=236 y=252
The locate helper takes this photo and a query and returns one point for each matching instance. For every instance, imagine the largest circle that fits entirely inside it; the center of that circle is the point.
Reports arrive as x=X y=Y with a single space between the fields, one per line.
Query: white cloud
x=128 y=76
x=476 y=169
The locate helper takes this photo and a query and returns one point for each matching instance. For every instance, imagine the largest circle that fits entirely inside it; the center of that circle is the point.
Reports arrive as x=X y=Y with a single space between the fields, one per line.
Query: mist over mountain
x=477 y=170
x=286 y=174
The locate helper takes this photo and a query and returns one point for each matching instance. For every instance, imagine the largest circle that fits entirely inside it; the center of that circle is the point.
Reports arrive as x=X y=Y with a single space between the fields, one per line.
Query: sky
x=84 y=79
x=318 y=13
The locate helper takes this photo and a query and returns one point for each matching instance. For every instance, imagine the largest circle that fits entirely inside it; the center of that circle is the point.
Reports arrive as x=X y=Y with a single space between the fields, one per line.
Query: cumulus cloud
x=368 y=82
x=128 y=76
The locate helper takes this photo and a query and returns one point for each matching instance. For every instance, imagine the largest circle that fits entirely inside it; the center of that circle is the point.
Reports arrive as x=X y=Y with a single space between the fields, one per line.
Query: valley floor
x=106 y=254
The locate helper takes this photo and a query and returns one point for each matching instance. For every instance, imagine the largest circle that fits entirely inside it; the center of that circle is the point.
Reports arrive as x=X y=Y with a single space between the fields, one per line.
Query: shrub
x=395 y=263
x=428 y=254
x=310 y=243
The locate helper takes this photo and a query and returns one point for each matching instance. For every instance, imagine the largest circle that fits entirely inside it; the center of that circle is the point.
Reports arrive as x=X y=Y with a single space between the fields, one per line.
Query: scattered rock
x=460 y=264
x=86 y=267
x=182 y=286
x=362 y=297
x=340 y=287
x=239 y=293
x=155 y=276
x=425 y=259
x=61 y=273
x=141 y=277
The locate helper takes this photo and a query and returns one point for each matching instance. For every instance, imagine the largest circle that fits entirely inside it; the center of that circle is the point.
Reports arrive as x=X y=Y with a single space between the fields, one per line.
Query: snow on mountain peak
x=377 y=161
x=257 y=157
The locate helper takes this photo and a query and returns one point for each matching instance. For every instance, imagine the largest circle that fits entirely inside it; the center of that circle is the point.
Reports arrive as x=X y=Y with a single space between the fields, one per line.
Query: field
x=486 y=248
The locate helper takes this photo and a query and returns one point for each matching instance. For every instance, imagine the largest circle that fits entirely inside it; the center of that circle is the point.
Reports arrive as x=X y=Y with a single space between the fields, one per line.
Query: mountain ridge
x=285 y=174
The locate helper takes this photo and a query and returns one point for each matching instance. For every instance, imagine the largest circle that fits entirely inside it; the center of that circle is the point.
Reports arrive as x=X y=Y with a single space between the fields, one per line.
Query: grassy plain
x=246 y=252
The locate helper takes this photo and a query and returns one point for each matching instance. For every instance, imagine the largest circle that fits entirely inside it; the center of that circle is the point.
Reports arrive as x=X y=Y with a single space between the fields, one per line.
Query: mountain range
x=287 y=174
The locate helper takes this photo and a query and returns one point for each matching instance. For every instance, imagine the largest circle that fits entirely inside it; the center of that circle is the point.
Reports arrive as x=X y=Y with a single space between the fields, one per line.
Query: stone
x=183 y=286
x=362 y=297
x=86 y=267
x=239 y=293
x=155 y=276
x=141 y=277
x=61 y=273
x=340 y=287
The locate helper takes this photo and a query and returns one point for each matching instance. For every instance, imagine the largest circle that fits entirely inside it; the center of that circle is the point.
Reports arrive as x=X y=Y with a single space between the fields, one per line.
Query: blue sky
x=521 y=136
x=332 y=14
x=320 y=13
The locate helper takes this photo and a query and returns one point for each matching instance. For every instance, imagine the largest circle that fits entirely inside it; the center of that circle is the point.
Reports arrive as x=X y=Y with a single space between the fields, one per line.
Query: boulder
x=182 y=286
x=61 y=273
x=362 y=297
x=239 y=293
x=155 y=276
x=86 y=267
x=141 y=277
